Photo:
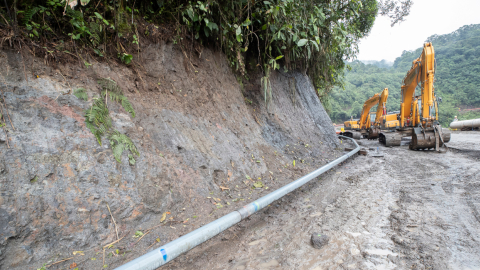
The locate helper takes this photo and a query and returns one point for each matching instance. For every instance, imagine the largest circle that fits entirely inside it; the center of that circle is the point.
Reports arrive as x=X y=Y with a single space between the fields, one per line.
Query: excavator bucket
x=430 y=139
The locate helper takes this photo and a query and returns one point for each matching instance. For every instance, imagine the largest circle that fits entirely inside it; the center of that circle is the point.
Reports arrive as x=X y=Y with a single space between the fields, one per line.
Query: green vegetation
x=98 y=120
x=457 y=79
x=314 y=36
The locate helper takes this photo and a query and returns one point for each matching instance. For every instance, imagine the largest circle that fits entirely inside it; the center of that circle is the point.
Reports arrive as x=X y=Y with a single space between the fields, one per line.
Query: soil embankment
x=203 y=138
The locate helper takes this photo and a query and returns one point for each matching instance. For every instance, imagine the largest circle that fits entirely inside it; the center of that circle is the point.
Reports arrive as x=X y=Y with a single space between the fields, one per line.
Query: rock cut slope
x=194 y=129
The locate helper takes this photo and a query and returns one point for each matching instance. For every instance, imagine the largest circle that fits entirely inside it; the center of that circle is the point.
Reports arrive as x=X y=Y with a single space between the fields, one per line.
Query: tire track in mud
x=436 y=226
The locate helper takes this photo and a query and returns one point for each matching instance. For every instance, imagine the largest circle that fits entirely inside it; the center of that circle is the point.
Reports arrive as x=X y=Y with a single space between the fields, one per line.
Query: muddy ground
x=406 y=210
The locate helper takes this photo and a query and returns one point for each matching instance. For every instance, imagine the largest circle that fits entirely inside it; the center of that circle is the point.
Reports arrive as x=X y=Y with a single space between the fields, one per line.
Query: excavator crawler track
x=352 y=134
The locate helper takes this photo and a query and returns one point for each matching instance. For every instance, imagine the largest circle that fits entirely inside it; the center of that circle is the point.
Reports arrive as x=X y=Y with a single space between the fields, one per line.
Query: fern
x=97 y=119
x=96 y=31
x=29 y=13
x=81 y=93
x=110 y=85
x=76 y=15
x=121 y=142
x=99 y=122
x=111 y=89
x=113 y=95
x=128 y=106
x=117 y=149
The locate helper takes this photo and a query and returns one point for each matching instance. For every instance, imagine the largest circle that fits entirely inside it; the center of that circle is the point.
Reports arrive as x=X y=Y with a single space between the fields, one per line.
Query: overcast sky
x=427 y=17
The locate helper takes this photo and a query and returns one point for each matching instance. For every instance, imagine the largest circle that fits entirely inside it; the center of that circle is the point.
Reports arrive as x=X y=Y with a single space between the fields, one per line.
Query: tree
x=396 y=10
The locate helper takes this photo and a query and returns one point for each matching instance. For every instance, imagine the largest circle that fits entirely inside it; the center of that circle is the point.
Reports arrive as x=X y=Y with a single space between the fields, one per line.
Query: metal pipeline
x=170 y=251
x=465 y=124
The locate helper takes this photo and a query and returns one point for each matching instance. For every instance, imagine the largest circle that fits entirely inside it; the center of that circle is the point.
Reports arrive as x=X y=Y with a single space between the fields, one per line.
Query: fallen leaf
x=258 y=184
x=294 y=163
x=168 y=213
x=136 y=235
x=186 y=220
x=158 y=240
x=73 y=265
x=78 y=253
x=248 y=177
x=224 y=188
x=164 y=216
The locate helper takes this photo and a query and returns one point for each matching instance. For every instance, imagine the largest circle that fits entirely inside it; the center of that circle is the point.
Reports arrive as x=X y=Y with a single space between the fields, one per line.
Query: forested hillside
x=457 y=78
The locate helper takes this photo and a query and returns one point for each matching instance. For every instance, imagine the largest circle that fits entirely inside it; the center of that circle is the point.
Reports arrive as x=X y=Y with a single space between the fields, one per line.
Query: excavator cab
x=372 y=117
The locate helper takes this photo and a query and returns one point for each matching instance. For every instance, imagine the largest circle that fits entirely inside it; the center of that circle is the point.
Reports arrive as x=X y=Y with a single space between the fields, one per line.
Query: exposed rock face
x=194 y=132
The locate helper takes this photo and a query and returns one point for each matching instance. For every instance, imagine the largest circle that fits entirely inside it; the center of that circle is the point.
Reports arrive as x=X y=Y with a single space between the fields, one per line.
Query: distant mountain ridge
x=457 y=78
x=381 y=64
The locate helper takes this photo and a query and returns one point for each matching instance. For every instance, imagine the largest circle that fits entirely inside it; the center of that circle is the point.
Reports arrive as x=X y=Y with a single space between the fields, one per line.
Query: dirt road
x=407 y=210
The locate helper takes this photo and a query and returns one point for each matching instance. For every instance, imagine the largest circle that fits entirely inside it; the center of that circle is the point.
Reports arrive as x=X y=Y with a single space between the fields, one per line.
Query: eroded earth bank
x=204 y=139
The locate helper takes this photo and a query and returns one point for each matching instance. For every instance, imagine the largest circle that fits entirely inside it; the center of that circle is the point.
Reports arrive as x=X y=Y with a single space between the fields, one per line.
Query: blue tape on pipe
x=164 y=254
x=256 y=206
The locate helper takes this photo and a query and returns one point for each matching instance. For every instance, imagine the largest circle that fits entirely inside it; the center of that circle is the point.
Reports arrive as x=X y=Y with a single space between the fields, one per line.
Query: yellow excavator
x=358 y=128
x=383 y=121
x=418 y=115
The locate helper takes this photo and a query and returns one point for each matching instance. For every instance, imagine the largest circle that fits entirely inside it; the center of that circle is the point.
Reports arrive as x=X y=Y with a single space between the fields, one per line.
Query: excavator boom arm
x=366 y=109
x=382 y=106
x=422 y=71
